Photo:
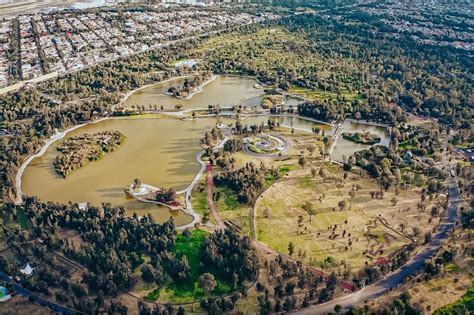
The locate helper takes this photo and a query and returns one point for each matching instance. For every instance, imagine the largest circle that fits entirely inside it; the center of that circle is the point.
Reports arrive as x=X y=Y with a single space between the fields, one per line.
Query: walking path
x=19 y=194
x=335 y=139
x=210 y=200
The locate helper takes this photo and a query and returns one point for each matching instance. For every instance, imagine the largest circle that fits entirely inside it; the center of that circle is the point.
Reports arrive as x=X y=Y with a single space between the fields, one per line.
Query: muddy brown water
x=161 y=152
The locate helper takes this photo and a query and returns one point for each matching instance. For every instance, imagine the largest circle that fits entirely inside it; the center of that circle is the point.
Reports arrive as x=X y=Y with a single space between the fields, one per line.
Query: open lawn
x=190 y=291
x=199 y=199
x=228 y=206
x=465 y=303
x=322 y=95
x=343 y=235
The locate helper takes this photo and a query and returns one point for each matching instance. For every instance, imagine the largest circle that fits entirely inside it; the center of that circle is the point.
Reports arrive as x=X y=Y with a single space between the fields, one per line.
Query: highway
x=410 y=268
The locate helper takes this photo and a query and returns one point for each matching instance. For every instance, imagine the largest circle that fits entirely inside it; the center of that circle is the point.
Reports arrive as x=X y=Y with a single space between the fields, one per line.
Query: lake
x=161 y=152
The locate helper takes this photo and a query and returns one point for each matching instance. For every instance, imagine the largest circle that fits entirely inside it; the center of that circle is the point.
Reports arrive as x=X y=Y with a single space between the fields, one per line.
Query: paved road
x=38 y=299
x=410 y=268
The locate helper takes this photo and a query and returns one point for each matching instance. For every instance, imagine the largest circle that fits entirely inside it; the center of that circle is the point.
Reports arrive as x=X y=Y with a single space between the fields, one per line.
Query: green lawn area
x=227 y=200
x=21 y=218
x=322 y=95
x=199 y=197
x=406 y=146
x=230 y=209
x=286 y=168
x=466 y=303
x=153 y=296
x=190 y=290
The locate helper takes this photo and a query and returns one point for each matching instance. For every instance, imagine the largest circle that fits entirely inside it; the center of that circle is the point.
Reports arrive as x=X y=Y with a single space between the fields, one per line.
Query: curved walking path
x=189 y=206
x=19 y=194
x=188 y=191
x=269 y=155
x=411 y=267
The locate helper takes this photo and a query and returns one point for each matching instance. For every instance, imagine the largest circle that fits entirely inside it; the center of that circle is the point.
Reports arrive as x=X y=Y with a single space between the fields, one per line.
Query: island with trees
x=190 y=86
x=361 y=137
x=78 y=151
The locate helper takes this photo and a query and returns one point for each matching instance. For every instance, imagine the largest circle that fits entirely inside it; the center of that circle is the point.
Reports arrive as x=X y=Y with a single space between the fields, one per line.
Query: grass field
x=313 y=241
x=228 y=206
x=322 y=95
x=190 y=290
x=466 y=303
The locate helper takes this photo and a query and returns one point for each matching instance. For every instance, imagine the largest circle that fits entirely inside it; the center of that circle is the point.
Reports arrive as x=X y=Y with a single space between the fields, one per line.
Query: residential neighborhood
x=32 y=45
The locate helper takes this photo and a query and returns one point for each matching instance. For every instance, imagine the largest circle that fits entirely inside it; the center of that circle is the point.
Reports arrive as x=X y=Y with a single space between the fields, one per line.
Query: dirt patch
x=19 y=305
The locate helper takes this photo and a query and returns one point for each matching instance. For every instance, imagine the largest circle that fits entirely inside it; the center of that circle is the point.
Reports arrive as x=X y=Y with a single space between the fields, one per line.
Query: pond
x=346 y=148
x=224 y=90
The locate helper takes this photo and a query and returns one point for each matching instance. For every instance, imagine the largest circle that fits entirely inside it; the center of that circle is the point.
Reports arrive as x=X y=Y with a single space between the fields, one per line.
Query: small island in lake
x=190 y=86
x=151 y=194
x=362 y=137
x=77 y=151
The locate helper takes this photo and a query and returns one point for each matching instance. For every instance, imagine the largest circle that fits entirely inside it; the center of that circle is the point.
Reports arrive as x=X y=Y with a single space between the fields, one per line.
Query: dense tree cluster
x=247 y=182
x=375 y=109
x=111 y=239
x=423 y=79
x=233 y=257
x=233 y=145
x=419 y=76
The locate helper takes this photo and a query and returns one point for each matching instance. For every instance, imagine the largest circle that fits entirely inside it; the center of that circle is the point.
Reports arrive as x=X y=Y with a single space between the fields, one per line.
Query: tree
x=337 y=308
x=428 y=237
x=309 y=208
x=207 y=283
x=322 y=172
x=302 y=161
x=187 y=233
x=342 y=204
x=137 y=183
x=148 y=274
x=291 y=248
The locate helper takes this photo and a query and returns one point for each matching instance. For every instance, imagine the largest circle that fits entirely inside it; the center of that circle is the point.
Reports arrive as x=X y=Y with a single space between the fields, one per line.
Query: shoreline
x=58 y=136
x=187 y=191
x=199 y=89
x=131 y=92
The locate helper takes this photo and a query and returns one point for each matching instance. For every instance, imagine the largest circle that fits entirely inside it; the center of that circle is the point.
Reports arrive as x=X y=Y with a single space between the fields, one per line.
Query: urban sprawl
x=55 y=43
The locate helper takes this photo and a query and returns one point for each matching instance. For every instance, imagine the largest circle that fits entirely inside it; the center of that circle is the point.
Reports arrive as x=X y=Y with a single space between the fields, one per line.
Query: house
x=28 y=270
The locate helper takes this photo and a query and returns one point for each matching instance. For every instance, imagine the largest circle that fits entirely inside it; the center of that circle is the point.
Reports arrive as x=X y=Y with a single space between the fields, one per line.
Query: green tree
x=207 y=283
x=309 y=208
x=291 y=248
